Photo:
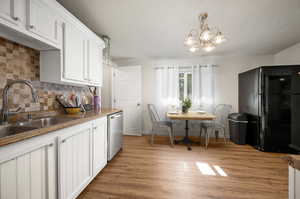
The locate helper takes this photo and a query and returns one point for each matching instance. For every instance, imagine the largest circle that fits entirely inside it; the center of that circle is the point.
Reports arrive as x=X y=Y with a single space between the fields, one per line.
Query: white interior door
x=127 y=96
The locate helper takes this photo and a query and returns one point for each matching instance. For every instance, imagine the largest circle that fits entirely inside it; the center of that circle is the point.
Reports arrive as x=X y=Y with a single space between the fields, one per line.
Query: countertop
x=293 y=160
x=78 y=119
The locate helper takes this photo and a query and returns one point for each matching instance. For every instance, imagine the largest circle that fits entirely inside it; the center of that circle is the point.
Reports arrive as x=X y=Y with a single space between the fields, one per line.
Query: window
x=185 y=85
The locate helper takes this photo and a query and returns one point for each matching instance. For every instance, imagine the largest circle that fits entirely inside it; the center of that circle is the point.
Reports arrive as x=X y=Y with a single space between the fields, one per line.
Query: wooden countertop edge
x=292 y=160
x=78 y=119
x=191 y=116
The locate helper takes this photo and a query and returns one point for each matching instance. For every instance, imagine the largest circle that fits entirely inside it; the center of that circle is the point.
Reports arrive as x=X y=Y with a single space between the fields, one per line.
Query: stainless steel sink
x=21 y=127
x=13 y=130
x=45 y=122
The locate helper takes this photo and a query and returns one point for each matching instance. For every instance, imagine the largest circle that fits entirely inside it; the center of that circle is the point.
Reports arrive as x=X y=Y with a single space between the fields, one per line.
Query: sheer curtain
x=203 y=87
x=167 y=89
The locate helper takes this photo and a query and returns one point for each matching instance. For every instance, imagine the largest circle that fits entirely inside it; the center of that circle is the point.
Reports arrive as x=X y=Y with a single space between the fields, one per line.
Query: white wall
x=290 y=55
x=226 y=77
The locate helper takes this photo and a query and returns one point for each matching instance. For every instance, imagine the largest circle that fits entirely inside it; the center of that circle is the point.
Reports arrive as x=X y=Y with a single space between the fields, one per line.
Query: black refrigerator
x=270 y=96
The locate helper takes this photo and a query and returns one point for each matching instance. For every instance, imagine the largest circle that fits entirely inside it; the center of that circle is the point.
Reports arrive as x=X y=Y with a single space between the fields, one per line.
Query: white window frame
x=185 y=79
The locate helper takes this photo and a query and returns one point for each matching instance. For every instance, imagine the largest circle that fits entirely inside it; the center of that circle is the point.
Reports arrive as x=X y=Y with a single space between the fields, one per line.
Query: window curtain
x=167 y=89
x=203 y=87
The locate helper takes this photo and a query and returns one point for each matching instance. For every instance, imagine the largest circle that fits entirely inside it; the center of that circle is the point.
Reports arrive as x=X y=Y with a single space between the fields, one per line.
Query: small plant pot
x=185 y=109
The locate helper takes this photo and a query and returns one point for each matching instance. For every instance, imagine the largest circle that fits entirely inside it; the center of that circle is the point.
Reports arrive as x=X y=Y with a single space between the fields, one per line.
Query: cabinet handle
x=16 y=18
x=50 y=145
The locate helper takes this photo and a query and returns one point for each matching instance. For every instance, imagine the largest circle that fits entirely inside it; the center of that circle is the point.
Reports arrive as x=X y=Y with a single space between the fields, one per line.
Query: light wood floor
x=142 y=171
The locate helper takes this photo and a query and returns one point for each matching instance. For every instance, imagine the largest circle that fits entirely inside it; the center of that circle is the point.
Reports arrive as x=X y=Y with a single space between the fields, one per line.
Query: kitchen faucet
x=5 y=109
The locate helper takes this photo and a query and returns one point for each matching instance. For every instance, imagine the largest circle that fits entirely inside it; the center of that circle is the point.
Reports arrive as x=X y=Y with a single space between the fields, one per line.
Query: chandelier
x=204 y=38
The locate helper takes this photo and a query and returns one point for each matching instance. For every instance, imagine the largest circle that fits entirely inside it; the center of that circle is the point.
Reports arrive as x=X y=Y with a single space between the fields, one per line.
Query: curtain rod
x=170 y=67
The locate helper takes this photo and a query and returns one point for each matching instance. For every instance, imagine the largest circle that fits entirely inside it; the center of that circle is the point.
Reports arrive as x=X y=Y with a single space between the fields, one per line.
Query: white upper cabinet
x=70 y=52
x=95 y=67
x=42 y=20
x=74 y=53
x=10 y=11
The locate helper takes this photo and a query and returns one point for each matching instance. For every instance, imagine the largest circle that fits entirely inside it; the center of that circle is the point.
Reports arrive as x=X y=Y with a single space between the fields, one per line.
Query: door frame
x=113 y=92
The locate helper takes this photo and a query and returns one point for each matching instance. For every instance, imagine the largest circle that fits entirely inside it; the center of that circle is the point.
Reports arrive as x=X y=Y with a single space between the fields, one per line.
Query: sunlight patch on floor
x=206 y=169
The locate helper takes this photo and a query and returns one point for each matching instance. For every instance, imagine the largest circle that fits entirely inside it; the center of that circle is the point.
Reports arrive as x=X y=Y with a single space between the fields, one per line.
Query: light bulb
x=219 y=38
x=189 y=41
x=194 y=49
x=209 y=48
x=206 y=35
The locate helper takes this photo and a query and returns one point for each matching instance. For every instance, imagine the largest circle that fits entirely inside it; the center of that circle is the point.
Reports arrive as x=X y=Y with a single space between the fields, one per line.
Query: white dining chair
x=218 y=125
x=158 y=124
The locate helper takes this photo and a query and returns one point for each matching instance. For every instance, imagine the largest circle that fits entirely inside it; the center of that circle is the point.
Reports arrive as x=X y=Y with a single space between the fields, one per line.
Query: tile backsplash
x=20 y=62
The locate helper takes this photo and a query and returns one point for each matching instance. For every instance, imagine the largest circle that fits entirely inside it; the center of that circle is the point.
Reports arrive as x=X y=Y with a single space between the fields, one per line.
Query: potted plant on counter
x=186 y=105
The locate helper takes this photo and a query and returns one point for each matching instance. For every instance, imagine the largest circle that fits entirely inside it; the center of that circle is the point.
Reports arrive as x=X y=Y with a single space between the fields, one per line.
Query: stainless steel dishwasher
x=115 y=134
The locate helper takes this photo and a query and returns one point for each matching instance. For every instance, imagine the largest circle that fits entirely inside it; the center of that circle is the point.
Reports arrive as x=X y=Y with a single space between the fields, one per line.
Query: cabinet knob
x=50 y=145
x=63 y=141
x=31 y=26
x=95 y=128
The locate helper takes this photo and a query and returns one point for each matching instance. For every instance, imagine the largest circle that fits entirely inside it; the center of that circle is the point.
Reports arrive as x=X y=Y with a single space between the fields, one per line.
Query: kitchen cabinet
x=80 y=62
x=294 y=183
x=95 y=62
x=9 y=11
x=42 y=20
x=74 y=53
x=99 y=145
x=70 y=52
x=74 y=160
x=30 y=173
x=59 y=164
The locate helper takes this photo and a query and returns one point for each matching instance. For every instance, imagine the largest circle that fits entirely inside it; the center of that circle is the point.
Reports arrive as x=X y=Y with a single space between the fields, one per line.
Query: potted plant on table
x=186 y=105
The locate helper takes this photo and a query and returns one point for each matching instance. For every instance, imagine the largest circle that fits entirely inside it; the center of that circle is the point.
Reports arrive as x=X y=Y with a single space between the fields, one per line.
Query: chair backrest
x=153 y=114
x=222 y=111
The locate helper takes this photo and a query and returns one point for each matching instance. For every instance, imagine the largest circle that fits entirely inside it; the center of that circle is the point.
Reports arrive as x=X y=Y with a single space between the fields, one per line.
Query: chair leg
x=206 y=138
x=217 y=135
x=224 y=132
x=171 y=136
x=173 y=133
x=152 y=136
x=200 y=136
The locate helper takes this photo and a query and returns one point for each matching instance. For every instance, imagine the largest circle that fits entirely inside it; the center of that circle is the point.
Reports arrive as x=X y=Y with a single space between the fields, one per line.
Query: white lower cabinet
x=294 y=183
x=99 y=145
x=30 y=174
x=75 y=160
x=56 y=165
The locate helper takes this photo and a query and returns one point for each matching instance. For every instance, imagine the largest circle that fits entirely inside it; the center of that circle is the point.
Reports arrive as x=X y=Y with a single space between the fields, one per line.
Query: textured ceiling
x=153 y=29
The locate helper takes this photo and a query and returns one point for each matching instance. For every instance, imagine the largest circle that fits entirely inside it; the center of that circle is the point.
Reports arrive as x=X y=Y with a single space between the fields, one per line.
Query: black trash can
x=238 y=127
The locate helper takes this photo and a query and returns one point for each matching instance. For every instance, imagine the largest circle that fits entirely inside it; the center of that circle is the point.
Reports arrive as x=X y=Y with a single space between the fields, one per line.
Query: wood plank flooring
x=142 y=171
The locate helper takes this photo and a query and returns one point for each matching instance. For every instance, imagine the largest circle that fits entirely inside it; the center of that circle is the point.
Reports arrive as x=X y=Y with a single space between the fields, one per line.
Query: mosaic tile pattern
x=20 y=62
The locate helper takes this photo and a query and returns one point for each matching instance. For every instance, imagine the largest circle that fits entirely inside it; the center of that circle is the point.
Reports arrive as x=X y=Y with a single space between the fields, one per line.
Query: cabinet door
x=42 y=20
x=95 y=65
x=74 y=53
x=75 y=162
x=31 y=175
x=9 y=11
x=99 y=145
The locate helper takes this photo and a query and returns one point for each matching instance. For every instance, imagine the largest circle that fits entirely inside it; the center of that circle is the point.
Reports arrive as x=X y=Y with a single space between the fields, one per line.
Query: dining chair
x=158 y=124
x=219 y=124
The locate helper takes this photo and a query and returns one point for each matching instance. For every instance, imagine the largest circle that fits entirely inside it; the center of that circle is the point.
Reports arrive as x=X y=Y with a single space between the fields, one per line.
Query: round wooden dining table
x=187 y=117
